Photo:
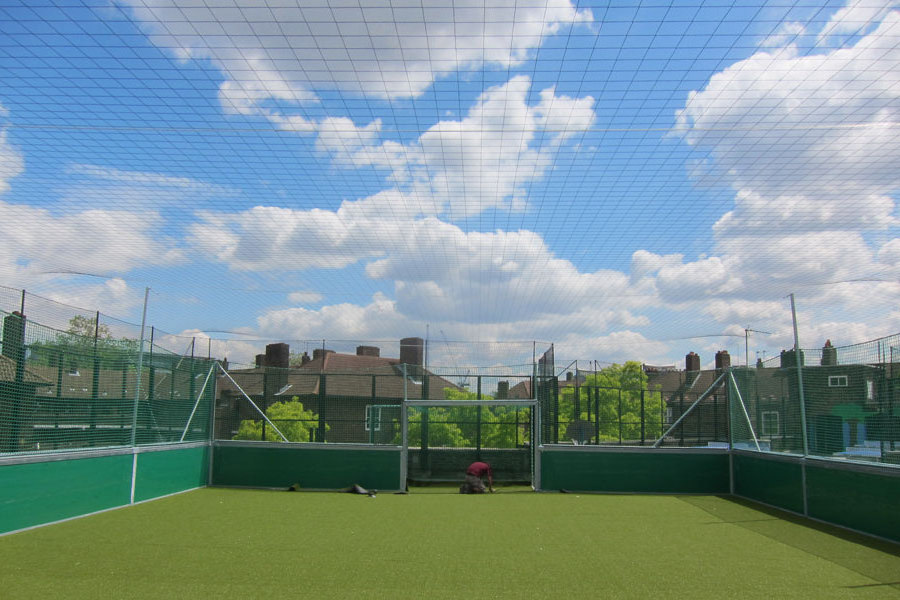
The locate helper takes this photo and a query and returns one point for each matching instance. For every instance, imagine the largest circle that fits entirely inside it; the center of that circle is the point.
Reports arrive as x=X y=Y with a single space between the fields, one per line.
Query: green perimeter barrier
x=636 y=470
x=36 y=490
x=855 y=496
x=770 y=479
x=170 y=471
x=313 y=466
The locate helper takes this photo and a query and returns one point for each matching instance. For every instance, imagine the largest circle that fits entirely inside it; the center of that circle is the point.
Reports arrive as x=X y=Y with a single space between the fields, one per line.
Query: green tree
x=457 y=427
x=612 y=398
x=290 y=417
x=84 y=340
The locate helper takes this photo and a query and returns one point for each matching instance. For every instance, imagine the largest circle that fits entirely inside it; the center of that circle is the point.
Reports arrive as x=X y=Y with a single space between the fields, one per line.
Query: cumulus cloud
x=811 y=129
x=807 y=140
x=12 y=162
x=484 y=160
x=439 y=270
x=855 y=18
x=284 y=53
x=785 y=34
x=35 y=240
x=111 y=297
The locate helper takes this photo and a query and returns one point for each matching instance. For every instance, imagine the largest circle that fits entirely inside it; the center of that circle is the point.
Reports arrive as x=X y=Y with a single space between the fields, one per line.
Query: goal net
x=444 y=437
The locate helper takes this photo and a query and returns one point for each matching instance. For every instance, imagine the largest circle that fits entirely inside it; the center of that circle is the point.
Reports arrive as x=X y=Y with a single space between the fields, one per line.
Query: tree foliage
x=458 y=427
x=611 y=399
x=81 y=343
x=290 y=417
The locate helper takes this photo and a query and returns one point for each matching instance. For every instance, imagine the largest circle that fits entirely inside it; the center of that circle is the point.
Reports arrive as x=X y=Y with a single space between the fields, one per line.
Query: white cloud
x=270 y=238
x=284 y=52
x=481 y=161
x=304 y=297
x=785 y=34
x=889 y=253
x=238 y=352
x=110 y=297
x=377 y=320
x=857 y=17
x=12 y=163
x=708 y=276
x=145 y=179
x=814 y=135
x=808 y=143
x=35 y=240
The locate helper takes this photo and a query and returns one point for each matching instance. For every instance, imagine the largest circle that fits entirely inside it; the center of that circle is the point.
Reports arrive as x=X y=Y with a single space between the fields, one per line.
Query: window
x=837 y=381
x=373 y=418
x=770 y=423
x=870 y=389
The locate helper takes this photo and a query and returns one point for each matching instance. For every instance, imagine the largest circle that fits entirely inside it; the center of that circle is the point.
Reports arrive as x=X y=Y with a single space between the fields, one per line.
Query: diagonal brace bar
x=744 y=408
x=702 y=397
x=197 y=403
x=249 y=399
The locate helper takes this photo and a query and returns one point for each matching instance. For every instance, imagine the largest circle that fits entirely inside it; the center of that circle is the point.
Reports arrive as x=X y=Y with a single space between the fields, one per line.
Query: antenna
x=747 y=331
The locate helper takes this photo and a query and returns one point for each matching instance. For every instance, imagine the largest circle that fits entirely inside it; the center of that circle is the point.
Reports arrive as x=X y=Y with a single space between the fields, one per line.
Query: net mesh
x=62 y=390
x=443 y=440
x=850 y=409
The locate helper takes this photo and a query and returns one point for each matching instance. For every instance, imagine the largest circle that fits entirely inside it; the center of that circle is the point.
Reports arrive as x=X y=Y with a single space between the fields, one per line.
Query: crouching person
x=475 y=474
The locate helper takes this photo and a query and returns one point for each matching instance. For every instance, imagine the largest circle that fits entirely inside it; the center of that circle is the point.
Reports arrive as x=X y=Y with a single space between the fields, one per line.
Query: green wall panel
x=170 y=471
x=43 y=492
x=312 y=468
x=859 y=500
x=776 y=482
x=638 y=472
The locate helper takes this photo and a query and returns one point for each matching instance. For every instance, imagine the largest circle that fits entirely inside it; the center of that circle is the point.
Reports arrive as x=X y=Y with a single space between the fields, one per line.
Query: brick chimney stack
x=723 y=360
x=829 y=355
x=692 y=361
x=412 y=351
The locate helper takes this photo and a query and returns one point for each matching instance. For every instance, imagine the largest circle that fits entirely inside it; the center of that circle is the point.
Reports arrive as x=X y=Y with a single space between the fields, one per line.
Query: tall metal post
x=799 y=361
x=140 y=367
x=404 y=434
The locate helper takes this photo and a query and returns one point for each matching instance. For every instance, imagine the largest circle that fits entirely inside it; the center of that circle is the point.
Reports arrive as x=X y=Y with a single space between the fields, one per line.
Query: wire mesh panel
x=309 y=406
x=63 y=390
x=850 y=410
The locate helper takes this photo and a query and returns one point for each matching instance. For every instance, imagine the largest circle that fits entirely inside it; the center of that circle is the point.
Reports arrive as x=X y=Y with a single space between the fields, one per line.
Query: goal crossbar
x=451 y=403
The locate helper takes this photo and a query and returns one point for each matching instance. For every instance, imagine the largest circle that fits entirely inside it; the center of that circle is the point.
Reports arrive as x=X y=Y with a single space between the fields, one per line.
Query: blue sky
x=619 y=180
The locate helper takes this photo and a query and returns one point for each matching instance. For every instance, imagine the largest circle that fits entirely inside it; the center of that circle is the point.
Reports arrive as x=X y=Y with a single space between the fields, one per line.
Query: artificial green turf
x=249 y=544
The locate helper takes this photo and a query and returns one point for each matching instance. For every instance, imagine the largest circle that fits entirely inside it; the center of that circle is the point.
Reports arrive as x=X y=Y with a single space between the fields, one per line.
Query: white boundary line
x=97 y=512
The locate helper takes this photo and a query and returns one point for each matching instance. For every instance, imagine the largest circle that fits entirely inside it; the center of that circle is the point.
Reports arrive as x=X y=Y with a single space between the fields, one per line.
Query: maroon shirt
x=480 y=469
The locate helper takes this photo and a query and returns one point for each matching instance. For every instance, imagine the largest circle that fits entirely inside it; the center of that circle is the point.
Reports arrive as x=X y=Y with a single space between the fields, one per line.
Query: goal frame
x=531 y=403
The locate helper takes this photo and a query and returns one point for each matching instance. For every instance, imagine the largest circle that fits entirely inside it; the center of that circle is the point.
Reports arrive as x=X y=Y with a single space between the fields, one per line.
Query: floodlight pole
x=140 y=367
